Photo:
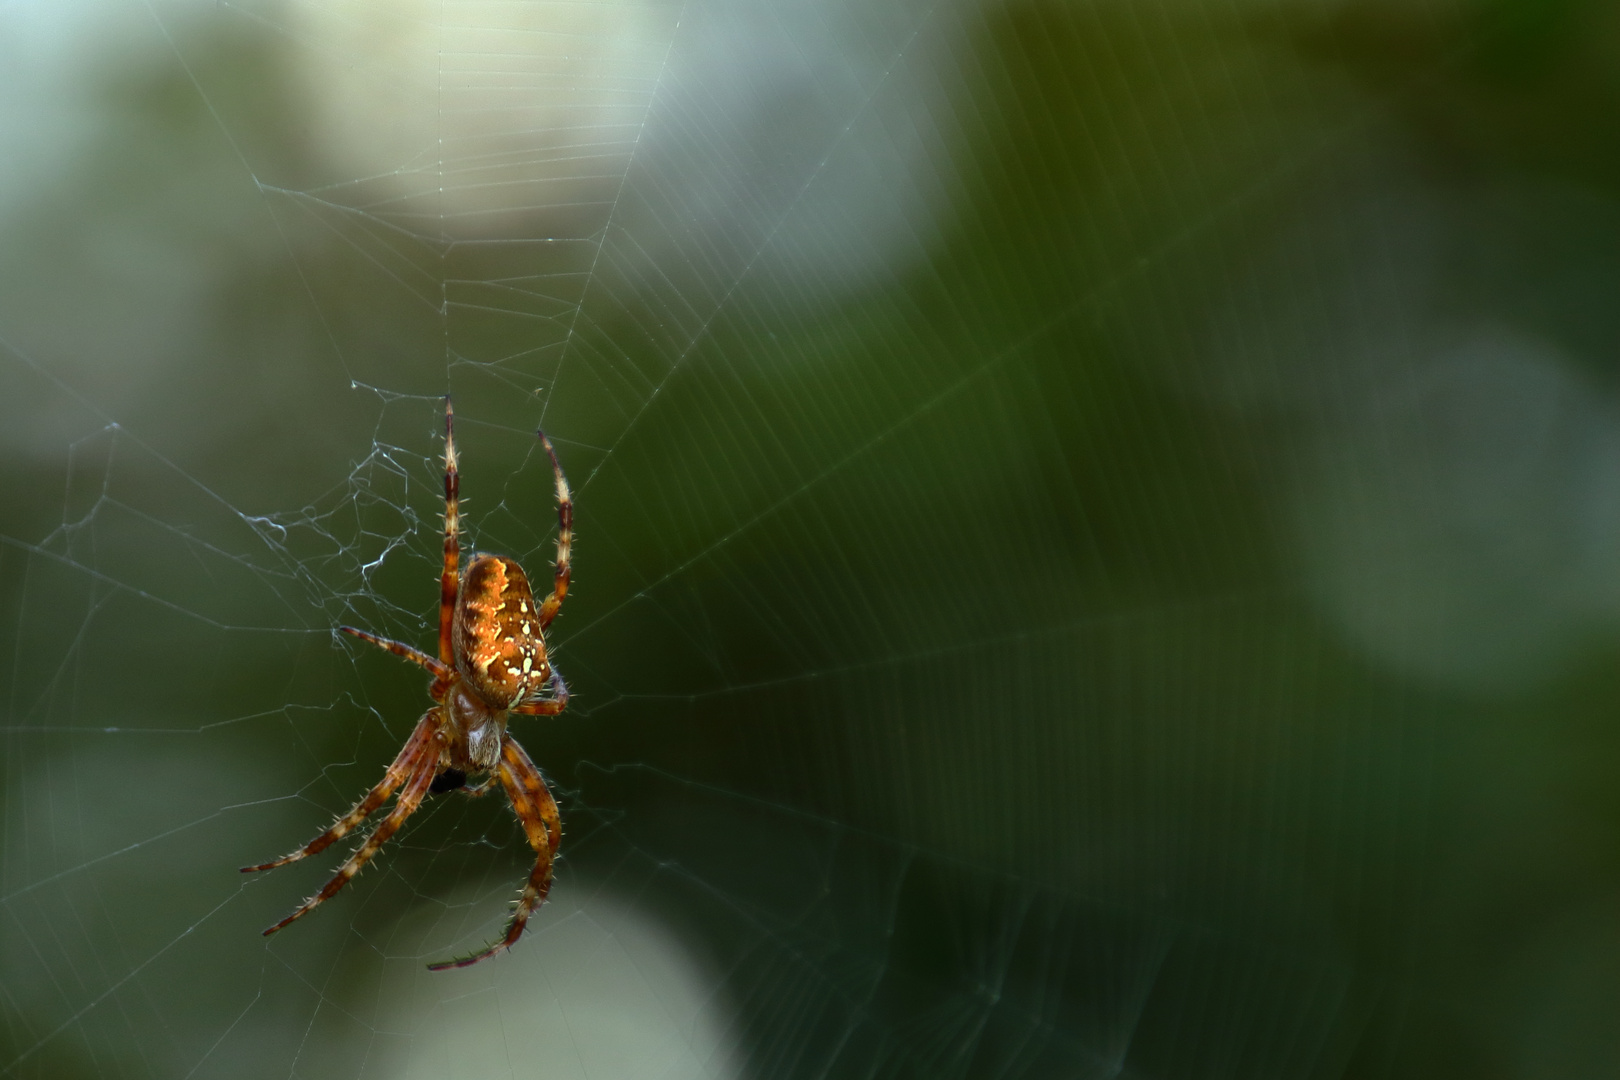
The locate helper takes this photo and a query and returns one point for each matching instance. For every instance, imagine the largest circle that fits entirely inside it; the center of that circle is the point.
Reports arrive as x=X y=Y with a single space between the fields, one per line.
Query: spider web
x=1094 y=530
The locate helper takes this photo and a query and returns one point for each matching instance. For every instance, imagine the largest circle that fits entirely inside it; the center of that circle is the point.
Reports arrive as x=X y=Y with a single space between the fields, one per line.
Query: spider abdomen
x=499 y=649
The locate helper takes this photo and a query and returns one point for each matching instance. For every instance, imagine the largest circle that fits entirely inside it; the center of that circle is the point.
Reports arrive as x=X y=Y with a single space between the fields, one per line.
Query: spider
x=492 y=664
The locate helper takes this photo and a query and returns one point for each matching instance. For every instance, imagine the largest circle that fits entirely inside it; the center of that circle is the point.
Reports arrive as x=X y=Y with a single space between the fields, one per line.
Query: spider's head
x=476 y=728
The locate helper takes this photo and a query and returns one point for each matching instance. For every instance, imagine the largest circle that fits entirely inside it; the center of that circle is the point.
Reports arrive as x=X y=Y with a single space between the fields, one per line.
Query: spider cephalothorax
x=492 y=664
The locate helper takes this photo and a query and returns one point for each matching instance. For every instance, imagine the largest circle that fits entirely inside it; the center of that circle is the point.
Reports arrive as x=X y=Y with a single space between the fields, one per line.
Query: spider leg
x=416 y=656
x=404 y=765
x=427 y=765
x=456 y=780
x=448 y=582
x=537 y=810
x=551 y=706
x=565 y=539
x=475 y=790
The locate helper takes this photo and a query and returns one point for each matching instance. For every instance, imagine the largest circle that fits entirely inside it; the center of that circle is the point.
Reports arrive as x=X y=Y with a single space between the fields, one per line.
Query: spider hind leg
x=565 y=539
x=449 y=582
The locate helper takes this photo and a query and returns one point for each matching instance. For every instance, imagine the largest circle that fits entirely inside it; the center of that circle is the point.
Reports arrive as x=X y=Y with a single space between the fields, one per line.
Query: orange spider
x=492 y=663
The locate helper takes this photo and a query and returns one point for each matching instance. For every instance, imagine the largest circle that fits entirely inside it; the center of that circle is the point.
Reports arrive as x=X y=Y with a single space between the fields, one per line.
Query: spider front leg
x=426 y=767
x=479 y=788
x=537 y=810
x=405 y=765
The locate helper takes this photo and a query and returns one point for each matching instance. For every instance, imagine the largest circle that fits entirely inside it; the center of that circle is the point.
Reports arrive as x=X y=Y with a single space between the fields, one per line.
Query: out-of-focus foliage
x=1096 y=530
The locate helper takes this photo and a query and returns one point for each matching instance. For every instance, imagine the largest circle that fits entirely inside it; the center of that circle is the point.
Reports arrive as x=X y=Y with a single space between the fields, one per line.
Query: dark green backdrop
x=1098 y=534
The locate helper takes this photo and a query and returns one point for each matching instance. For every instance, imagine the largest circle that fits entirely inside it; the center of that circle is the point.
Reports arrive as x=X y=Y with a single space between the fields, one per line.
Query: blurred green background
x=1097 y=533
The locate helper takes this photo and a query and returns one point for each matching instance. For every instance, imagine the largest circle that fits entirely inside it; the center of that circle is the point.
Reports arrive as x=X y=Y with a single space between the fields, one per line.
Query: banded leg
x=427 y=765
x=565 y=539
x=452 y=533
x=410 y=757
x=438 y=670
x=536 y=809
x=551 y=706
